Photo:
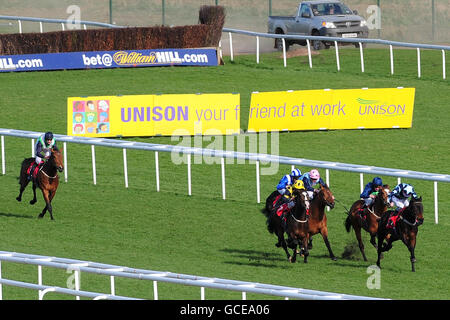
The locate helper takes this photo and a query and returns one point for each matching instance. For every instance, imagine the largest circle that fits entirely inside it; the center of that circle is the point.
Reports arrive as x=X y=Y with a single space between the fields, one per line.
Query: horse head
x=327 y=196
x=301 y=197
x=57 y=159
x=383 y=195
x=417 y=209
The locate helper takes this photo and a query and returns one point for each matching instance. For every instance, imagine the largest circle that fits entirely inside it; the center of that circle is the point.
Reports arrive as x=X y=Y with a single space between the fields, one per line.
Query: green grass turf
x=203 y=234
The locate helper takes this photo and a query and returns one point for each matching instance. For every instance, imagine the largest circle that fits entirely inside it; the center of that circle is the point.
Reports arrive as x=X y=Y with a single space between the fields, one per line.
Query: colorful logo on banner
x=331 y=109
x=150 y=115
x=90 y=117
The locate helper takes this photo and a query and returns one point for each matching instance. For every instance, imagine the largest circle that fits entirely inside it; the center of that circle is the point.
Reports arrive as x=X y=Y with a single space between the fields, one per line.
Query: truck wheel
x=279 y=44
x=317 y=44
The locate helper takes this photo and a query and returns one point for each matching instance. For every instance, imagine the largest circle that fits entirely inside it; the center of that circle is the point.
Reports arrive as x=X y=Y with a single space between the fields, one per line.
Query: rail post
x=94 y=172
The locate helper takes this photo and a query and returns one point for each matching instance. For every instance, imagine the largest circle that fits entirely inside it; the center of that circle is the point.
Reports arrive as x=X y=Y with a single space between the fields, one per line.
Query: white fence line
x=150 y=275
x=359 y=41
x=57 y=21
x=257 y=158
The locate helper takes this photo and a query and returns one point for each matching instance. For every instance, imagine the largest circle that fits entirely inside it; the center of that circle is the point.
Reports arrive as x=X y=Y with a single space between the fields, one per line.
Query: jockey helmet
x=299 y=185
x=48 y=136
x=296 y=173
x=314 y=174
x=377 y=182
x=408 y=191
x=289 y=194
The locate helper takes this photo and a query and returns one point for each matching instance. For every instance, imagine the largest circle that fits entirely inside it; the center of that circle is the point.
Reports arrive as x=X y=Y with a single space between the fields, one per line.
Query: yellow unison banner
x=150 y=115
x=331 y=109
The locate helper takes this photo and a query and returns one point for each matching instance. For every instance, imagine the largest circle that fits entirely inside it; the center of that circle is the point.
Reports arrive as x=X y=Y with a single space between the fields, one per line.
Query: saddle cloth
x=393 y=219
x=35 y=171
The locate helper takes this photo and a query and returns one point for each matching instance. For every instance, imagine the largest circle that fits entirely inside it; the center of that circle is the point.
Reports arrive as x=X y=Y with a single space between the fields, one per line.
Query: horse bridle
x=45 y=173
x=306 y=204
x=415 y=215
x=331 y=205
x=386 y=203
x=41 y=170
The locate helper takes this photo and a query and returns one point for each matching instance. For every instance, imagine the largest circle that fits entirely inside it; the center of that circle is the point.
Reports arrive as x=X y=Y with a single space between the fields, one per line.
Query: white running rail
x=254 y=157
x=113 y=271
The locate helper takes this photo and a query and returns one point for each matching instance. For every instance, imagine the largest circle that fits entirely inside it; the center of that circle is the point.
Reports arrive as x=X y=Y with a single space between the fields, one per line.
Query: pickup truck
x=319 y=18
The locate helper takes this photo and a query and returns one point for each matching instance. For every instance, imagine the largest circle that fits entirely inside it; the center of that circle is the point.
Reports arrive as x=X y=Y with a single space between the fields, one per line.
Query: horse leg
x=383 y=247
x=281 y=242
x=388 y=245
x=49 y=204
x=45 y=193
x=373 y=241
x=410 y=242
x=50 y=210
x=293 y=258
x=23 y=185
x=360 y=243
x=413 y=258
x=41 y=215
x=23 y=181
x=305 y=248
x=50 y=207
x=33 y=201
x=284 y=245
x=324 y=233
x=380 y=247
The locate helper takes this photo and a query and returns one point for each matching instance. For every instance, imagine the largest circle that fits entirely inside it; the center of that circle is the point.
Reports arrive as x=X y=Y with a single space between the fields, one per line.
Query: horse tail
x=23 y=168
x=265 y=212
x=269 y=221
x=348 y=223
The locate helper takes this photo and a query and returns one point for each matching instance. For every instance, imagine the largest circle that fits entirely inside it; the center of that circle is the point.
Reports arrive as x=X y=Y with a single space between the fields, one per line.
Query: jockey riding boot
x=30 y=176
x=281 y=201
x=284 y=221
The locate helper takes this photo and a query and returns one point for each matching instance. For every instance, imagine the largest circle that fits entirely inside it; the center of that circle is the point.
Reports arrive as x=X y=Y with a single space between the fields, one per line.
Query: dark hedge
x=205 y=34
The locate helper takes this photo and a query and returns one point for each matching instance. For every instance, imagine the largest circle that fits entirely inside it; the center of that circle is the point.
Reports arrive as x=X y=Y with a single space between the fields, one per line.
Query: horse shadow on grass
x=15 y=215
x=254 y=258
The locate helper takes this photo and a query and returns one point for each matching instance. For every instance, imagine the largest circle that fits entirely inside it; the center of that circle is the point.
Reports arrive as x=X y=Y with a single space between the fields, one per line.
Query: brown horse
x=47 y=179
x=406 y=229
x=318 y=219
x=367 y=218
x=296 y=225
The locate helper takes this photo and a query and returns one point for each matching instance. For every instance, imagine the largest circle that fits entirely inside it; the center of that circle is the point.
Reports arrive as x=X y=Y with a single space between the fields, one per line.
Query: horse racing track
x=202 y=234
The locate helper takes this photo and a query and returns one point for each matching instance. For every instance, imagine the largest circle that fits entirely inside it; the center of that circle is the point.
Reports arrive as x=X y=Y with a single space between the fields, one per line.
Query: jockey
x=286 y=182
x=288 y=201
x=368 y=193
x=310 y=180
x=298 y=185
x=400 y=196
x=42 y=150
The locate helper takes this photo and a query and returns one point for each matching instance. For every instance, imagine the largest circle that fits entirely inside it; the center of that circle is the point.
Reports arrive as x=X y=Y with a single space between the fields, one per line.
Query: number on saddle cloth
x=36 y=168
x=282 y=209
x=275 y=201
x=392 y=221
x=361 y=213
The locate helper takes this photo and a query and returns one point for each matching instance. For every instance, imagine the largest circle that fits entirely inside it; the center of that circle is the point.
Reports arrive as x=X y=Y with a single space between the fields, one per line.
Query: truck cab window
x=304 y=9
